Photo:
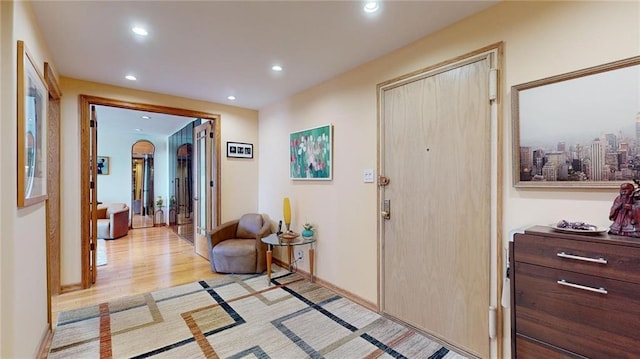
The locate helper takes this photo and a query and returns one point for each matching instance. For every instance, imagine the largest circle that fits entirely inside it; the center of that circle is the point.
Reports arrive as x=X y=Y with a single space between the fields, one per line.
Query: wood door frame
x=53 y=188
x=85 y=102
x=497 y=269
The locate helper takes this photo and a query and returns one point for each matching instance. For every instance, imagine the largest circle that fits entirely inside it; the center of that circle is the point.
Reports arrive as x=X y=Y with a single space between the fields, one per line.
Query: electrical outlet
x=299 y=255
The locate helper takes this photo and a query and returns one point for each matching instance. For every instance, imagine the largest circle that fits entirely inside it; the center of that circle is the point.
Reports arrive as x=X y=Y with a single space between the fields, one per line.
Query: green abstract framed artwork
x=310 y=153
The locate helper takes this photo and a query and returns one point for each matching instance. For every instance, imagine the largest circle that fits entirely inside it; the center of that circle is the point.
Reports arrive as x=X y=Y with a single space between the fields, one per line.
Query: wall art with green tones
x=310 y=153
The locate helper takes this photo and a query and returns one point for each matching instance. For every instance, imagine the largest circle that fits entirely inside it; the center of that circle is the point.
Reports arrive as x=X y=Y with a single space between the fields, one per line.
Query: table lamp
x=286 y=208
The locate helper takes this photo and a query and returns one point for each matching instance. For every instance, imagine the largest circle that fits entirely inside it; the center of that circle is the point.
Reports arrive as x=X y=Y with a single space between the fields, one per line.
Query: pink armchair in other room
x=236 y=246
x=113 y=221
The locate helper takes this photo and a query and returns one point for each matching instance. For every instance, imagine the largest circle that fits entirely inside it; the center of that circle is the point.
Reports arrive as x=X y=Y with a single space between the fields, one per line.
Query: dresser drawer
x=612 y=261
x=531 y=349
x=588 y=323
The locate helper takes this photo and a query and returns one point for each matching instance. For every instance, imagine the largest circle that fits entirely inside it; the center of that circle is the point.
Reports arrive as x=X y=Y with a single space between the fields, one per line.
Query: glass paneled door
x=203 y=185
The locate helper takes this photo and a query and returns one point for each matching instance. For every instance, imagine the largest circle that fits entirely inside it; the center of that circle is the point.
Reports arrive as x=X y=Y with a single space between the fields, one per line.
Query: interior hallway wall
x=23 y=273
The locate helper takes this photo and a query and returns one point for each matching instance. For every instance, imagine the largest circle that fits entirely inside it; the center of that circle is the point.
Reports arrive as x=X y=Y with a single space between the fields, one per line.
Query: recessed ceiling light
x=137 y=129
x=371 y=6
x=231 y=97
x=276 y=68
x=130 y=77
x=140 y=31
x=145 y=117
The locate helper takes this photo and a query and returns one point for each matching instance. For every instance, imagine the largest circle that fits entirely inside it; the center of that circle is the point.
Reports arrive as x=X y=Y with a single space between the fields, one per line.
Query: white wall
x=116 y=186
x=239 y=178
x=540 y=39
x=23 y=296
x=3 y=89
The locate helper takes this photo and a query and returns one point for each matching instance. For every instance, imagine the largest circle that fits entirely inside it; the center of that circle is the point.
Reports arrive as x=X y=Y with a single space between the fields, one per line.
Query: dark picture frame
x=239 y=150
x=579 y=129
x=32 y=105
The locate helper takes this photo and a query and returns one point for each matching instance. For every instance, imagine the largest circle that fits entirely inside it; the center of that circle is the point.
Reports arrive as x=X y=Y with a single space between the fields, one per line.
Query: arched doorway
x=142 y=180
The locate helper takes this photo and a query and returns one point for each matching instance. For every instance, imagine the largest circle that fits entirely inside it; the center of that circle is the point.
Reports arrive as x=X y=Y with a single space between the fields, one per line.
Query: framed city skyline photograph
x=579 y=129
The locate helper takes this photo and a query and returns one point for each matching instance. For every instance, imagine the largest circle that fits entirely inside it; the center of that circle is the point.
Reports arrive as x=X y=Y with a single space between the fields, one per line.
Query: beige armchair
x=113 y=221
x=236 y=246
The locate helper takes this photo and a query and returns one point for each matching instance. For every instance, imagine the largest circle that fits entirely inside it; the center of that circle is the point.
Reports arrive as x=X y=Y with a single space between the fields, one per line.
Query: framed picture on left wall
x=32 y=103
x=103 y=165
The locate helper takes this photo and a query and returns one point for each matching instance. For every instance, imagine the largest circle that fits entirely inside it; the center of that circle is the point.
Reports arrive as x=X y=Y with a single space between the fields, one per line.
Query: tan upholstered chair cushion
x=113 y=221
x=249 y=225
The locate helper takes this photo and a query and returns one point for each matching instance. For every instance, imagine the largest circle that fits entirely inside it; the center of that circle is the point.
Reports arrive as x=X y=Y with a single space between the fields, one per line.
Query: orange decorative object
x=287 y=212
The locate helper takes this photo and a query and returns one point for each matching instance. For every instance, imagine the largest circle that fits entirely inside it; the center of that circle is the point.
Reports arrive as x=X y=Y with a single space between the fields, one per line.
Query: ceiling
x=208 y=50
x=117 y=120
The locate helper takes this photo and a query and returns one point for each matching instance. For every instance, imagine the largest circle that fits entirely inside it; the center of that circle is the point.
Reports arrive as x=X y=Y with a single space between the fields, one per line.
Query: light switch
x=368 y=175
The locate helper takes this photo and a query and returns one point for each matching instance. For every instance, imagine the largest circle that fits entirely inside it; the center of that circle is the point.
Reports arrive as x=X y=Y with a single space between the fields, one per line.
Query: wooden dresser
x=574 y=295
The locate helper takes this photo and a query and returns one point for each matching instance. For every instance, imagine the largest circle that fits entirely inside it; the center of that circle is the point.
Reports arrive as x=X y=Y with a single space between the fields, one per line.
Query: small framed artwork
x=239 y=150
x=33 y=96
x=103 y=165
x=310 y=153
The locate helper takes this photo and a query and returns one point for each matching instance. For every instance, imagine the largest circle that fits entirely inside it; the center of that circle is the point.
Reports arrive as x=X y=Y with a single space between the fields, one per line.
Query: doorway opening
x=142 y=180
x=89 y=183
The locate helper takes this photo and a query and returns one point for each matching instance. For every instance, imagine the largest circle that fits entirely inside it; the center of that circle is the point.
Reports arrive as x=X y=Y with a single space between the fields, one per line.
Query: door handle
x=581 y=258
x=583 y=287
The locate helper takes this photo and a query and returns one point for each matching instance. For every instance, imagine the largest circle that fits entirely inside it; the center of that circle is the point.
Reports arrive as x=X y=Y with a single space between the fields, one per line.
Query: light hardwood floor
x=145 y=260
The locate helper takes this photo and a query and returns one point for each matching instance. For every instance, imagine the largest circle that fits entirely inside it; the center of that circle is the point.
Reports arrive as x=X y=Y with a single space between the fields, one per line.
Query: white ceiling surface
x=207 y=50
x=113 y=119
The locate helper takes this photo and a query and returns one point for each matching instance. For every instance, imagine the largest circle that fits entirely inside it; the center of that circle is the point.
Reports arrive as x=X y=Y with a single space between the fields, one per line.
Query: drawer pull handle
x=583 y=287
x=579 y=258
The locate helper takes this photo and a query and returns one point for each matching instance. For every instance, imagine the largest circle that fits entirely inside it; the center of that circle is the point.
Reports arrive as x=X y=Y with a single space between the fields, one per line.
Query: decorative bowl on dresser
x=574 y=295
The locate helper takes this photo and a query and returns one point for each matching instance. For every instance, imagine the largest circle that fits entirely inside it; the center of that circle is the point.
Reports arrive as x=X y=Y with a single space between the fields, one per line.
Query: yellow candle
x=287 y=212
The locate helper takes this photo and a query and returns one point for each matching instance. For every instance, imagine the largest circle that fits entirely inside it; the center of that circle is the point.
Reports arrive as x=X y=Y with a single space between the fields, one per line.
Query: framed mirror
x=142 y=194
x=580 y=129
x=184 y=185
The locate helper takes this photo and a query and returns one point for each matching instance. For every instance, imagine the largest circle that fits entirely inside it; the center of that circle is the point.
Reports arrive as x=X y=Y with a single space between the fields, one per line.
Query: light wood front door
x=436 y=151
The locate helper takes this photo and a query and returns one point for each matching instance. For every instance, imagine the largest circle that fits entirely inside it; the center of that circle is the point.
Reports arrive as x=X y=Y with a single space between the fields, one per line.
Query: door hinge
x=92 y=123
x=210 y=134
x=493 y=322
x=92 y=185
x=93 y=246
x=493 y=84
x=210 y=183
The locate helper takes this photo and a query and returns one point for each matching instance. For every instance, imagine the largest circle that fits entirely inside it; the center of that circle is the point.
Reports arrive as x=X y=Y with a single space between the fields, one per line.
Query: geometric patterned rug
x=237 y=316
